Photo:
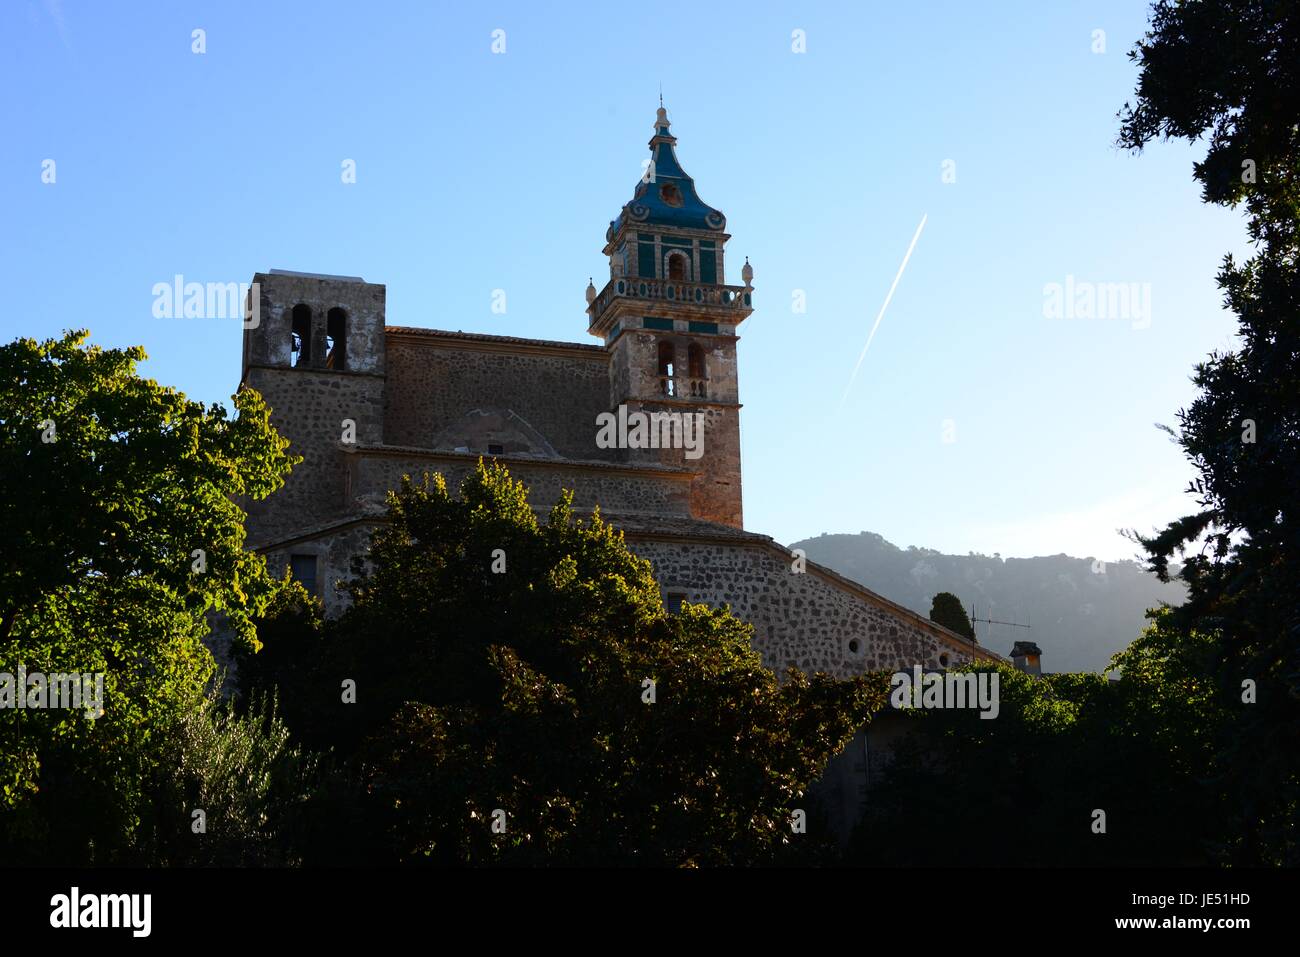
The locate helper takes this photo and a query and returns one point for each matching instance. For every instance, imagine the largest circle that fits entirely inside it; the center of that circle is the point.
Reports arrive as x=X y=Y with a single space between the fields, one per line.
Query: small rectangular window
x=303 y=569
x=496 y=450
x=674 y=601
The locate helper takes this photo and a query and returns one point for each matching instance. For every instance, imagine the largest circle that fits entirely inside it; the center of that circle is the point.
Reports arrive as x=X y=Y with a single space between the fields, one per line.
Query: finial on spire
x=591 y=291
x=747 y=272
x=661 y=118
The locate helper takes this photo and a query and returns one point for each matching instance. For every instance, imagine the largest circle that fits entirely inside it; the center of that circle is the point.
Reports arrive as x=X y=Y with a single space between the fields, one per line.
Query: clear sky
x=974 y=422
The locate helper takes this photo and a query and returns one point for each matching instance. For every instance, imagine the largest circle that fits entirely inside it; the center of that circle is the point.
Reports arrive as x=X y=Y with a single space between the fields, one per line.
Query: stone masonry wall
x=308 y=408
x=716 y=495
x=636 y=363
x=716 y=492
x=432 y=384
x=363 y=303
x=374 y=473
x=334 y=553
x=800 y=620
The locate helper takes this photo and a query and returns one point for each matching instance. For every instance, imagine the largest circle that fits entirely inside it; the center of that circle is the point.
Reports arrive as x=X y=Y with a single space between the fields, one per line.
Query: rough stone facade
x=435 y=379
x=812 y=620
x=447 y=398
x=365 y=403
x=617 y=490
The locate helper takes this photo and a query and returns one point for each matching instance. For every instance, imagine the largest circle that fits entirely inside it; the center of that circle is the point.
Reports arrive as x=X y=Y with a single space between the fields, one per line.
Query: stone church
x=365 y=401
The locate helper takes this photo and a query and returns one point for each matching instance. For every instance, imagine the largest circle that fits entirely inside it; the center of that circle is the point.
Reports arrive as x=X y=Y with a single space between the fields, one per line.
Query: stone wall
x=334 y=552
x=411 y=391
x=716 y=495
x=810 y=620
x=813 y=621
x=363 y=303
x=716 y=492
x=635 y=358
x=617 y=491
x=434 y=380
x=308 y=407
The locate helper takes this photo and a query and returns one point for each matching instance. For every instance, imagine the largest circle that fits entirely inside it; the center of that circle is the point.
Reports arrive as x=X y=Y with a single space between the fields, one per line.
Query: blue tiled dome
x=670 y=200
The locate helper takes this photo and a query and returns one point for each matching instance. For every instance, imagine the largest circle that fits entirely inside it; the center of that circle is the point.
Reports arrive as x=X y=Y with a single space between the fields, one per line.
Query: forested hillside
x=1081 y=612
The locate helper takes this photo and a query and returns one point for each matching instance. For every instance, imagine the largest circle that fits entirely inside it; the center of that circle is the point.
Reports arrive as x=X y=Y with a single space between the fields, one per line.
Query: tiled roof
x=484 y=337
x=668 y=198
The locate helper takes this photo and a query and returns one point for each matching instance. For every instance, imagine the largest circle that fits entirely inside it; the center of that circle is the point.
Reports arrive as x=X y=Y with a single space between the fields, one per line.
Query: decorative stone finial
x=591 y=292
x=661 y=116
x=747 y=272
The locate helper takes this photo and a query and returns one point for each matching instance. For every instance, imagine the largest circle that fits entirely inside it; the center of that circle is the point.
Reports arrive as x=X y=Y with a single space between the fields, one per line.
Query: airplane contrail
x=885 y=306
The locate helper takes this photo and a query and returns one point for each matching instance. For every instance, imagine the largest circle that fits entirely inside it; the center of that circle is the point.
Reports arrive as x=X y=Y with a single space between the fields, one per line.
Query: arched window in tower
x=678 y=267
x=300 y=350
x=336 y=339
x=667 y=362
x=696 y=371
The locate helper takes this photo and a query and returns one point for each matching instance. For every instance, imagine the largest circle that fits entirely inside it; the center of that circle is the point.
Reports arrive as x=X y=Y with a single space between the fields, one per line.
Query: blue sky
x=974 y=422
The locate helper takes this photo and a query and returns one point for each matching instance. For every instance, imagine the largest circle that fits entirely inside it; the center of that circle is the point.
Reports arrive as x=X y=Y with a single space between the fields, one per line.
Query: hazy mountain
x=1080 y=611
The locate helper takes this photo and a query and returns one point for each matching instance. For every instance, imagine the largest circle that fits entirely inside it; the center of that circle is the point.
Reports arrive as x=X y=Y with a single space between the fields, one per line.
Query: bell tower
x=670 y=322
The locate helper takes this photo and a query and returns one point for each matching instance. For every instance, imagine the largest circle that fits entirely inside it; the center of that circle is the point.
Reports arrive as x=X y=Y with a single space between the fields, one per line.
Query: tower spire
x=661 y=121
x=670 y=323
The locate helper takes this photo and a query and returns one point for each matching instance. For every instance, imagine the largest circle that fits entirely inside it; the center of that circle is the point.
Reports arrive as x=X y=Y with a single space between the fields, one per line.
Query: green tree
x=121 y=535
x=1022 y=789
x=250 y=783
x=508 y=665
x=946 y=610
x=1228 y=72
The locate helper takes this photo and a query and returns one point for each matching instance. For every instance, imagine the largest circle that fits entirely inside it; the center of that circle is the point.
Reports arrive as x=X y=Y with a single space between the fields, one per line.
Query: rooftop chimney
x=1025 y=656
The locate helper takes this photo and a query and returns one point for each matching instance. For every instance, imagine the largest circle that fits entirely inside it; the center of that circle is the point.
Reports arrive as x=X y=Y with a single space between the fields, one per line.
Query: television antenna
x=993 y=621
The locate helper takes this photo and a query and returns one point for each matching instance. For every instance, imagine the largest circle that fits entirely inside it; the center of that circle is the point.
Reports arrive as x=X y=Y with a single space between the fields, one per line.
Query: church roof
x=488 y=339
x=666 y=196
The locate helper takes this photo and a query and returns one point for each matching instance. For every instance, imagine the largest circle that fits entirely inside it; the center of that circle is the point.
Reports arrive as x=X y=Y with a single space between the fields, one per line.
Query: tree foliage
x=1023 y=789
x=245 y=777
x=112 y=483
x=1228 y=73
x=554 y=697
x=946 y=610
